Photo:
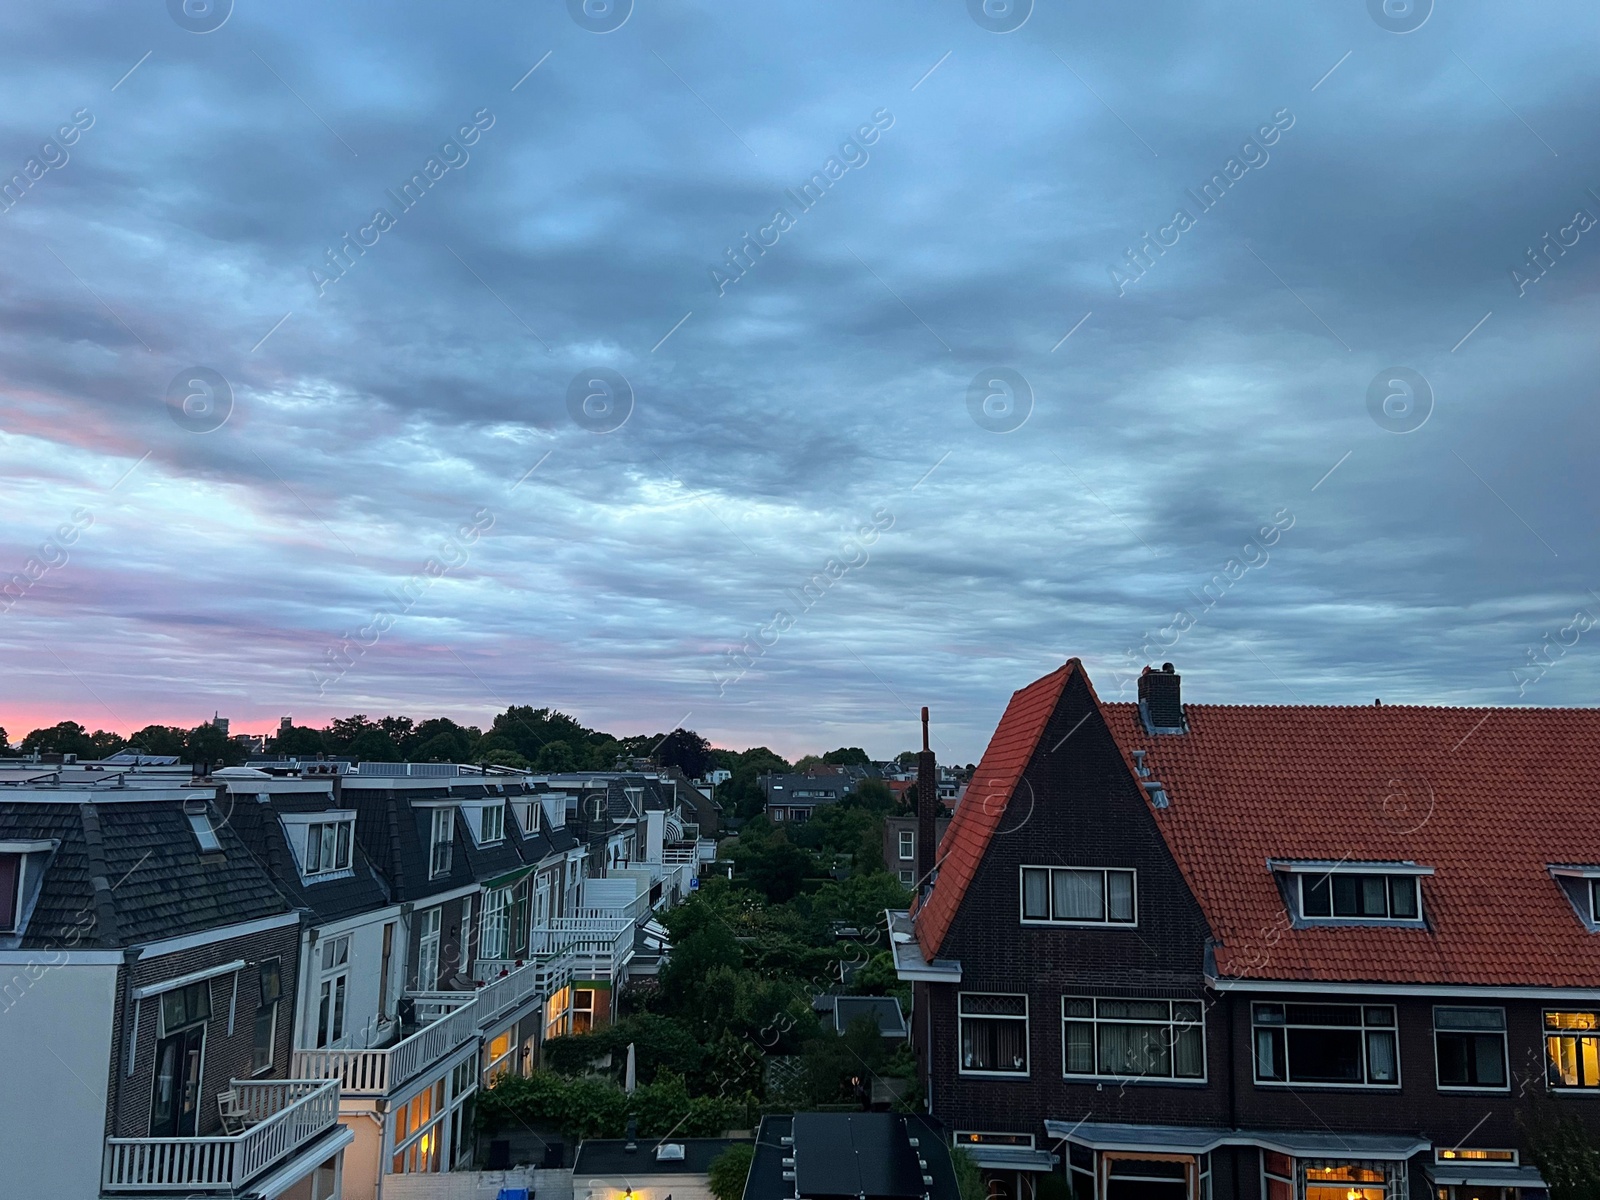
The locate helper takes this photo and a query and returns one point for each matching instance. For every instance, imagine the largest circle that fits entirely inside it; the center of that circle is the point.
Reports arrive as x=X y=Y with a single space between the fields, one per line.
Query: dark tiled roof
x=330 y=900
x=154 y=881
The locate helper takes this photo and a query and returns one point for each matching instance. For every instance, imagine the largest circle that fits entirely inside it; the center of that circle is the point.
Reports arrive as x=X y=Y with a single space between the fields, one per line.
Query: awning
x=1011 y=1158
x=1199 y=1139
x=1486 y=1175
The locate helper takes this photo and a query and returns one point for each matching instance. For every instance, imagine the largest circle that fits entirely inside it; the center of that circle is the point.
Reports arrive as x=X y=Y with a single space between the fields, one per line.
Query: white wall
x=365 y=967
x=55 y=1041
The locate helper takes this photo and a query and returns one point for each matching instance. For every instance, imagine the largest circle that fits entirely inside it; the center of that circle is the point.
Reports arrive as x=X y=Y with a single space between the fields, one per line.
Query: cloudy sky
x=248 y=470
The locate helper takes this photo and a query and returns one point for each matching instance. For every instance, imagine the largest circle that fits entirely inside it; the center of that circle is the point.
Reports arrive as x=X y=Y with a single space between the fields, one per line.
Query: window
x=1351 y=897
x=269 y=979
x=908 y=878
x=908 y=844
x=1572 y=1049
x=492 y=824
x=418 y=1127
x=994 y=1034
x=328 y=847
x=531 y=812
x=1130 y=1039
x=198 y=812
x=10 y=898
x=1349 y=1044
x=185 y=1006
x=1277 y=1175
x=1470 y=1047
x=499 y=1055
x=1349 y=1180
x=1078 y=896
x=1462 y=1154
x=496 y=923
x=443 y=836
x=583 y=1007
x=428 y=950
x=333 y=993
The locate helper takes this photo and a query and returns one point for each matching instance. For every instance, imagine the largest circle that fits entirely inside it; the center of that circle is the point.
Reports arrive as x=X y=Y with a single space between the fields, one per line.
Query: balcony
x=284 y=1116
x=518 y=979
x=598 y=946
x=450 y=1020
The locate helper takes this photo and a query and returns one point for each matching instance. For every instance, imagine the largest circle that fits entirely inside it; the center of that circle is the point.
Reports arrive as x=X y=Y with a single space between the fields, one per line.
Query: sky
x=774 y=370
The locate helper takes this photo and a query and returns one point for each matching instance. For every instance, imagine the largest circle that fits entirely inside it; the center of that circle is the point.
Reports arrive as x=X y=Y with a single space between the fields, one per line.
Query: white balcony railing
x=284 y=1115
x=598 y=946
x=375 y=1072
x=545 y=975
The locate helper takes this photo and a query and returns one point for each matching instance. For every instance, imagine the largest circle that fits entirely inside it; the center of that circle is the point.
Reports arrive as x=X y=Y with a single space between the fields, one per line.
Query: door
x=175 y=1105
x=428 y=951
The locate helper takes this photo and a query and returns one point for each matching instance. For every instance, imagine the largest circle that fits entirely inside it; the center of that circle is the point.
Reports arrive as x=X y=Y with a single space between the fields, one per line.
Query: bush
x=730 y=1169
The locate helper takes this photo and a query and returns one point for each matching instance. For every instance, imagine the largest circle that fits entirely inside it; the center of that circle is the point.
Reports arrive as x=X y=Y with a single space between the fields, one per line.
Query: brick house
x=148 y=967
x=1180 y=951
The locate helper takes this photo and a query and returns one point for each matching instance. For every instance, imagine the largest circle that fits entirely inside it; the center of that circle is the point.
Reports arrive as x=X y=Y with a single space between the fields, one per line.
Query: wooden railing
x=375 y=1072
x=598 y=945
x=285 y=1114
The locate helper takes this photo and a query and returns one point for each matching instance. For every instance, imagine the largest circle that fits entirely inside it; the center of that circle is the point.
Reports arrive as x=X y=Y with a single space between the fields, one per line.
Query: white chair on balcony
x=235 y=1115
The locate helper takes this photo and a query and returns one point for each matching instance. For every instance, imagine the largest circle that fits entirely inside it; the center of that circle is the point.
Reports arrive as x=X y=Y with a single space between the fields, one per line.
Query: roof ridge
x=99 y=877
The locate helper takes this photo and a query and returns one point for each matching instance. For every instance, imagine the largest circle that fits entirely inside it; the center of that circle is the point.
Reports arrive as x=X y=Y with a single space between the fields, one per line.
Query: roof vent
x=1157 y=794
x=1161 y=701
x=669 y=1152
x=1140 y=765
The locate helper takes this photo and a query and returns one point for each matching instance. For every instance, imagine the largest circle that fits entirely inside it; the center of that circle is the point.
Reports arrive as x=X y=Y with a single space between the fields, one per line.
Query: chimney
x=1161 y=700
x=927 y=811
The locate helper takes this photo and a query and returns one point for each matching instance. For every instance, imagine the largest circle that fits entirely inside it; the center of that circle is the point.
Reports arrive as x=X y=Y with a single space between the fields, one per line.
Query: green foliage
x=767 y=861
x=207 y=747
x=686 y=750
x=742 y=794
x=299 y=741
x=1560 y=1145
x=159 y=739
x=660 y=1044
x=969 y=1180
x=730 y=1169
x=847 y=756
x=66 y=738
x=597 y=1108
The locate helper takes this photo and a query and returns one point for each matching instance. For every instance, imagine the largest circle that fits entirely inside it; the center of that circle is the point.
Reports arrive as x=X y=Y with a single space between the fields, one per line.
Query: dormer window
x=492 y=824
x=1582 y=887
x=1360 y=893
x=530 y=812
x=441 y=842
x=328 y=847
x=10 y=891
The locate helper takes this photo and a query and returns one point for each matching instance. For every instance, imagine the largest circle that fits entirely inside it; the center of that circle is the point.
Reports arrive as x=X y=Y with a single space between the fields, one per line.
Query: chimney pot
x=927 y=810
x=1161 y=701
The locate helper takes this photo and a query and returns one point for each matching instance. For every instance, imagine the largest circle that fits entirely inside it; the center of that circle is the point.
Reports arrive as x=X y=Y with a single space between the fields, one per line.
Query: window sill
x=1566 y=1090
x=1136 y=1080
x=992 y=1074
x=1342 y=1087
x=1480 y=1089
x=1040 y=923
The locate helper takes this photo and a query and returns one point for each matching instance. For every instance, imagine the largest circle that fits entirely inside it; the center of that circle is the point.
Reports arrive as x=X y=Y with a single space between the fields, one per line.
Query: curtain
x=1035 y=895
x=1080 y=1048
x=993 y=1045
x=1119 y=895
x=1189 y=1053
x=1380 y=1057
x=1079 y=895
x=1129 y=1050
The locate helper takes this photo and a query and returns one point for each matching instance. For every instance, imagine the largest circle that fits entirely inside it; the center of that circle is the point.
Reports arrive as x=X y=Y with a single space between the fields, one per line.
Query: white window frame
x=494 y=938
x=442 y=838
x=1171 y=1024
x=1545 y=1036
x=1027 y=1034
x=1363 y=1029
x=492 y=824
x=1505 y=1049
x=333 y=983
x=428 y=944
x=315 y=838
x=1307 y=880
x=908 y=845
x=272 y=1012
x=908 y=878
x=1104 y=922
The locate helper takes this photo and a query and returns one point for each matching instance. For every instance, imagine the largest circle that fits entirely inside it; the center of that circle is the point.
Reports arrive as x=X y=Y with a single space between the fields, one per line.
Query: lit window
x=1078 y=895
x=994 y=1034
x=1470 y=1047
x=328 y=847
x=492 y=824
x=1572 y=1049
x=583 y=1007
x=1130 y=1039
x=1348 y=1044
x=1348 y=896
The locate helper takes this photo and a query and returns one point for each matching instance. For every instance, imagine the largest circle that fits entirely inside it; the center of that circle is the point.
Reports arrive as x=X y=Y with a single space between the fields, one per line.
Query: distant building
x=795 y=797
x=900 y=846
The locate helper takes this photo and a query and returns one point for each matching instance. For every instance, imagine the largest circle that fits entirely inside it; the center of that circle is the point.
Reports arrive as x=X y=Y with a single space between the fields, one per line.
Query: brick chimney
x=1161 y=700
x=927 y=811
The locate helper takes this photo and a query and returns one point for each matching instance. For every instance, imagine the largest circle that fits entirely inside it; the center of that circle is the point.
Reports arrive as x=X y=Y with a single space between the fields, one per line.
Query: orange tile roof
x=980 y=810
x=1487 y=797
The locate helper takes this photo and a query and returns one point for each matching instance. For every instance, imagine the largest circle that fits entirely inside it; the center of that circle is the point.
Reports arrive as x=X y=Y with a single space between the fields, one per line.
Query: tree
x=66 y=738
x=969 y=1179
x=5 y=742
x=772 y=865
x=373 y=745
x=207 y=747
x=1561 y=1147
x=847 y=756
x=556 y=757
x=742 y=793
x=159 y=739
x=730 y=1169
x=439 y=739
x=299 y=741
x=686 y=750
